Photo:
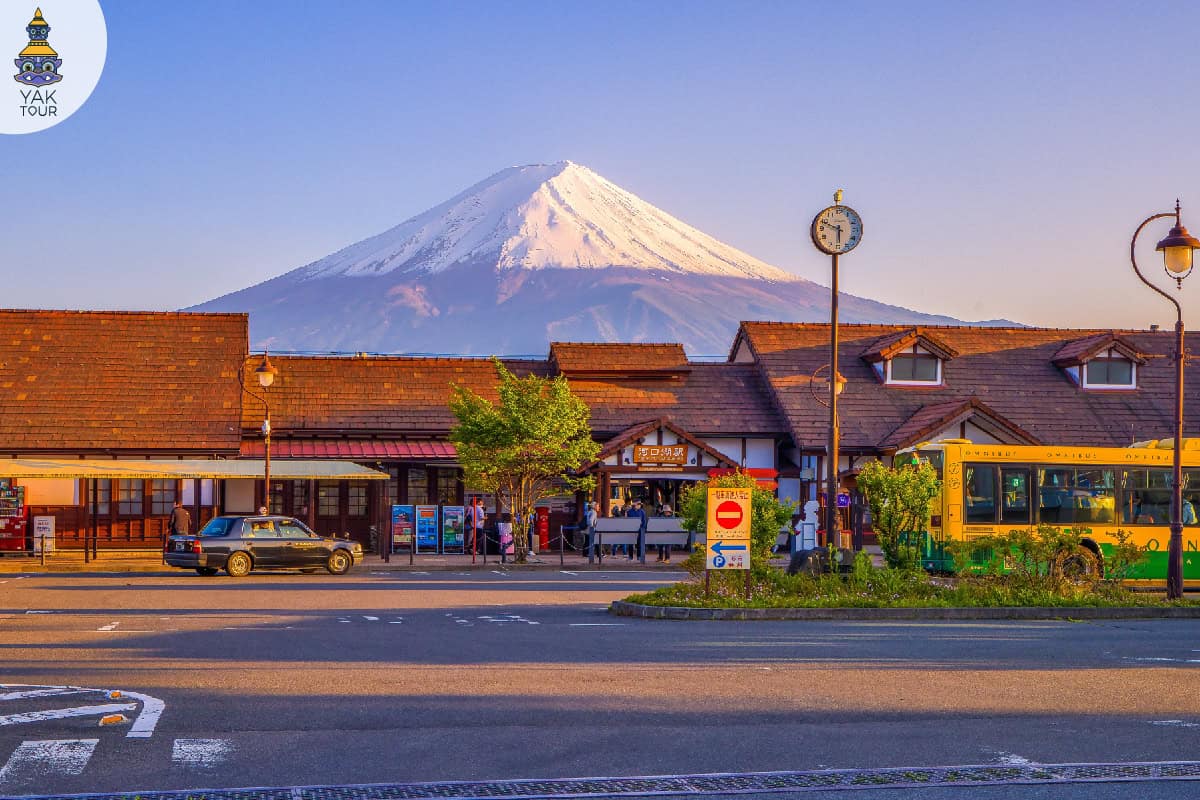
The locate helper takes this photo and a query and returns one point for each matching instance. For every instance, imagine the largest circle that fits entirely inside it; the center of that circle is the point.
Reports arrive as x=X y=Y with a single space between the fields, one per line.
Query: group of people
x=634 y=510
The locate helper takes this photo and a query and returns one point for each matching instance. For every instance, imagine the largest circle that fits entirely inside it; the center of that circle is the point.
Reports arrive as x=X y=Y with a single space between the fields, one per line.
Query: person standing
x=180 y=522
x=589 y=525
x=664 y=550
x=640 y=515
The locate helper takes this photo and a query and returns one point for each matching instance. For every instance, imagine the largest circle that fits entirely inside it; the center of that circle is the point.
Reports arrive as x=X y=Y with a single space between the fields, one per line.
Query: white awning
x=283 y=469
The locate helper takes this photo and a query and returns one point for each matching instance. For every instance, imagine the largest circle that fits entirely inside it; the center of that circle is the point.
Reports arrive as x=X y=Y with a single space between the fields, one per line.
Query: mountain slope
x=530 y=255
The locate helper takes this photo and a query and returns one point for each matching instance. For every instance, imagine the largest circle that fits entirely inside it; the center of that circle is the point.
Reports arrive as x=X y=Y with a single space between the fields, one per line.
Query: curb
x=622 y=608
x=117 y=567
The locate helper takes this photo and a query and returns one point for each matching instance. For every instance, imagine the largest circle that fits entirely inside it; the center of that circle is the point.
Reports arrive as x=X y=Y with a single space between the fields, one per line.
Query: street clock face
x=837 y=229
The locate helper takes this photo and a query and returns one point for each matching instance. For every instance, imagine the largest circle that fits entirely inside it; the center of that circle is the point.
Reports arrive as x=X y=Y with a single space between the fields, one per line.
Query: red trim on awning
x=763 y=476
x=351 y=449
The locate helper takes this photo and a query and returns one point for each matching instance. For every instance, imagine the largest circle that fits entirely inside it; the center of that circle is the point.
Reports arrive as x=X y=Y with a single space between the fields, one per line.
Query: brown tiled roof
x=1010 y=369
x=936 y=417
x=400 y=395
x=1077 y=351
x=618 y=358
x=80 y=381
x=888 y=345
x=711 y=399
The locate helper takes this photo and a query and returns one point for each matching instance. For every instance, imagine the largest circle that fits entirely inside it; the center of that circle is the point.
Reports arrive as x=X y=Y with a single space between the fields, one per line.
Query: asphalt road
x=290 y=680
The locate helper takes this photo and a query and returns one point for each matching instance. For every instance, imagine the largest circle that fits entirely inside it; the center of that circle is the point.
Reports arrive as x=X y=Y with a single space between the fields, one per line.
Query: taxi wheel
x=238 y=565
x=207 y=572
x=339 y=562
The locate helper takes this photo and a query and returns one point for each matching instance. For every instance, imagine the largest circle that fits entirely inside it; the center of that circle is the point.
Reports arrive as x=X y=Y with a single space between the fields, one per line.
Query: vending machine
x=12 y=516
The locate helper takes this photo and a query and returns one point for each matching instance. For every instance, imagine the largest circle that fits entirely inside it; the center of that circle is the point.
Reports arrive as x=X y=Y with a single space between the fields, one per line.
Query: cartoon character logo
x=38 y=63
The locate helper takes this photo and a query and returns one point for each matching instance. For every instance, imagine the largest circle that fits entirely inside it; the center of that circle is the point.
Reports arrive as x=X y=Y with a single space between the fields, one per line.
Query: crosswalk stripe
x=201 y=753
x=65 y=713
x=36 y=759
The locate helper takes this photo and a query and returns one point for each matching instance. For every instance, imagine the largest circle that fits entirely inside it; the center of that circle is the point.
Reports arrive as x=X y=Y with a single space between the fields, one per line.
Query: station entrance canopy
x=285 y=469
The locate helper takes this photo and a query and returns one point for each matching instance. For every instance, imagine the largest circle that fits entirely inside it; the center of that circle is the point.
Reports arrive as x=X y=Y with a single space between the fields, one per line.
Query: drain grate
x=697 y=785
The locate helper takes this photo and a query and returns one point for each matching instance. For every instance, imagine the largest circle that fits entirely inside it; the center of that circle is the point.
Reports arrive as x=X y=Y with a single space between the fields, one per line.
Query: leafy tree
x=525 y=448
x=901 y=499
x=767 y=513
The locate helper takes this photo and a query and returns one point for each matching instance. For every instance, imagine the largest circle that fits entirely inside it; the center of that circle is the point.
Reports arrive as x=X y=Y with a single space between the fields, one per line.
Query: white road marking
x=20 y=577
x=498 y=572
x=1012 y=760
x=370 y=619
x=201 y=753
x=152 y=708
x=1175 y=723
x=39 y=612
x=65 y=713
x=597 y=624
x=564 y=572
x=46 y=758
x=503 y=618
x=109 y=626
x=1171 y=660
x=55 y=690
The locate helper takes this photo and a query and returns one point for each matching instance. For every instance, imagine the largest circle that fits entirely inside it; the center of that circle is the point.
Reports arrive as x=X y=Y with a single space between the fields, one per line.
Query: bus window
x=979 y=490
x=1147 y=499
x=1070 y=496
x=1014 y=509
x=1191 y=496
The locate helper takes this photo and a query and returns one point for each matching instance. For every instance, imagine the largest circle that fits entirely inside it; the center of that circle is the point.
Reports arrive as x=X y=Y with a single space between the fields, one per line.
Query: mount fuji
x=534 y=254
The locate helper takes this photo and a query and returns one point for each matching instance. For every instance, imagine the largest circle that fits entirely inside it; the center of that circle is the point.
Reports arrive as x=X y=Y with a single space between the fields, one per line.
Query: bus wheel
x=1080 y=564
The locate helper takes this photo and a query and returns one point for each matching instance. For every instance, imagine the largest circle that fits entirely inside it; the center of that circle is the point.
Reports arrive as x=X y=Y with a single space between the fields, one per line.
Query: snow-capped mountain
x=530 y=255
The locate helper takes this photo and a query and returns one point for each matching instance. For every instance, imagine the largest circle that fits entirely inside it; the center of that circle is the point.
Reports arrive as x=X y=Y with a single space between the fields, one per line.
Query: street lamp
x=1178 y=251
x=265 y=372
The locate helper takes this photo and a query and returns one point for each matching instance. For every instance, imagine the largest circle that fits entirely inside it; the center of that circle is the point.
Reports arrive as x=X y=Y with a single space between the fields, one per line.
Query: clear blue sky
x=1000 y=153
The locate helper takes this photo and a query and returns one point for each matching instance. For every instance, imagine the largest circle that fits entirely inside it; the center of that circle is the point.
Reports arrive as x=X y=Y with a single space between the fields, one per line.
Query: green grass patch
x=868 y=587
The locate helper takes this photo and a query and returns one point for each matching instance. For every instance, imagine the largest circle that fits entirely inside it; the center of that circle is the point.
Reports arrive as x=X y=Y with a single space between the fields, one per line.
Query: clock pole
x=835 y=230
x=833 y=529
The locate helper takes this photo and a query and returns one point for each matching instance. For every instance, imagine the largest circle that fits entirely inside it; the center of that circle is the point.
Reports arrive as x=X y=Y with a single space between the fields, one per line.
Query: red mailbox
x=543 y=528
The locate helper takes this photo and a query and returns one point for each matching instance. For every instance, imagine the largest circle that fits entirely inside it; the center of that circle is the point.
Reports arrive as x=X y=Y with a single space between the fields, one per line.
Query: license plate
x=179 y=546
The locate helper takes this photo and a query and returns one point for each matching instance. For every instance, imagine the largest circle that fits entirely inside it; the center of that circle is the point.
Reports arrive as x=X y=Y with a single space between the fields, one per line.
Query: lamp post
x=835 y=230
x=265 y=372
x=1178 y=250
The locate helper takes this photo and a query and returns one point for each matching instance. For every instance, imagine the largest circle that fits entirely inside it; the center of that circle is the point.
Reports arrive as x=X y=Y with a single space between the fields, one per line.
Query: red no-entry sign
x=729 y=514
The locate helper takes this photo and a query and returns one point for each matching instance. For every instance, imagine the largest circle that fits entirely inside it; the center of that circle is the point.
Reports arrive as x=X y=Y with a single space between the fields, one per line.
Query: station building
x=109 y=417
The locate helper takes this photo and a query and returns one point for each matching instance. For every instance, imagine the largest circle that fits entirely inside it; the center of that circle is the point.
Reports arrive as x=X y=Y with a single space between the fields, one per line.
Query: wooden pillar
x=605 y=494
x=343 y=506
x=311 y=522
x=196 y=504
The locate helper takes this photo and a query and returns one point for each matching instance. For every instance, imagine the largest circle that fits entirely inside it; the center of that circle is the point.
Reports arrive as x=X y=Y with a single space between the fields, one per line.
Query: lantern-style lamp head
x=1178 y=250
x=266 y=373
x=841 y=384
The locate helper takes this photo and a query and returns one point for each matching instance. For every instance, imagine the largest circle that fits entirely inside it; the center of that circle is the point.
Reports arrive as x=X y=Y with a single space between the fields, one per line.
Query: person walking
x=180 y=522
x=589 y=525
x=640 y=515
x=476 y=515
x=664 y=550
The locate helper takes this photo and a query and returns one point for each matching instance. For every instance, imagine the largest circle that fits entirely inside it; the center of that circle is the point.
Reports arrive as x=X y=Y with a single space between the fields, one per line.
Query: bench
x=624 y=530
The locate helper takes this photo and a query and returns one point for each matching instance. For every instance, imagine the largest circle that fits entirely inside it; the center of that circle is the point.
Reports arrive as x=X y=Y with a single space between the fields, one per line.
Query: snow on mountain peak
x=543 y=216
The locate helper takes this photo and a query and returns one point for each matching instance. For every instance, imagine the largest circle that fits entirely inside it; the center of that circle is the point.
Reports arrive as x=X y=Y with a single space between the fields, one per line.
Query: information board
x=453 y=528
x=427 y=529
x=402 y=527
x=728 y=528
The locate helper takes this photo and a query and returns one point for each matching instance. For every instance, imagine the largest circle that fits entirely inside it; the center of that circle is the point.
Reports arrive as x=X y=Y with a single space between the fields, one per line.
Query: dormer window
x=1110 y=370
x=915 y=366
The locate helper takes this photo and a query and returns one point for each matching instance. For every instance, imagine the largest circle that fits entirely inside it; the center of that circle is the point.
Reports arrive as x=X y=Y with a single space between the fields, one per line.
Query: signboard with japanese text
x=427 y=529
x=453 y=527
x=660 y=454
x=728 y=528
x=402 y=527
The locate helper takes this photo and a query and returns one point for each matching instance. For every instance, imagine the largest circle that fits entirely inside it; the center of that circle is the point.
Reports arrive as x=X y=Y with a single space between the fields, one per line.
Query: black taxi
x=239 y=544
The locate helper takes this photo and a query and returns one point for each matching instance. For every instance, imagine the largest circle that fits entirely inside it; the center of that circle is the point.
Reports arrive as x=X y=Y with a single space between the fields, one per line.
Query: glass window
x=1014 y=507
x=129 y=497
x=300 y=498
x=418 y=486
x=358 y=499
x=290 y=529
x=392 y=486
x=447 y=486
x=103 y=496
x=980 y=494
x=162 y=496
x=327 y=499
x=1070 y=495
x=914 y=367
x=1109 y=372
x=275 y=503
x=218 y=526
x=260 y=529
x=1147 y=496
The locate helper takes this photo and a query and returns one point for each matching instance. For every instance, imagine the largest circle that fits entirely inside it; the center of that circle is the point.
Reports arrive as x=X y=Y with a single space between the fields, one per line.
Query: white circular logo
x=57 y=50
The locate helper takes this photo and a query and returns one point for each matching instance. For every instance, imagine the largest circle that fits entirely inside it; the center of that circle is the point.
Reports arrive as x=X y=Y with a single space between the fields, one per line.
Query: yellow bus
x=990 y=489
